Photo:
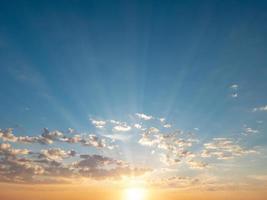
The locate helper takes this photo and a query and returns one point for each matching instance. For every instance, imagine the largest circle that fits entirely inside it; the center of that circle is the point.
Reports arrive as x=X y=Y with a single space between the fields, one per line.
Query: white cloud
x=96 y=141
x=122 y=128
x=249 y=131
x=167 y=126
x=234 y=86
x=138 y=126
x=162 y=119
x=262 y=108
x=98 y=123
x=143 y=116
x=234 y=95
x=234 y=89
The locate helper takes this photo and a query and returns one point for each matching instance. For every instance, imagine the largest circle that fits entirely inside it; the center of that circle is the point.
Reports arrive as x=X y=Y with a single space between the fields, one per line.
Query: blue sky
x=202 y=65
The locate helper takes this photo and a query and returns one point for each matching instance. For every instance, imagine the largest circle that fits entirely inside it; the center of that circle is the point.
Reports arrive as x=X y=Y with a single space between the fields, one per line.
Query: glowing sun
x=135 y=194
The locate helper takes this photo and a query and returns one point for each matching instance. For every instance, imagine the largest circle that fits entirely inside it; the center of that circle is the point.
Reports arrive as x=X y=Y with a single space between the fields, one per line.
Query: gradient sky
x=165 y=94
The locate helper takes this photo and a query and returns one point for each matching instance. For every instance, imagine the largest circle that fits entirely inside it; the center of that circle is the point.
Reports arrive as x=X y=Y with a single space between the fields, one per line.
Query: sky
x=165 y=95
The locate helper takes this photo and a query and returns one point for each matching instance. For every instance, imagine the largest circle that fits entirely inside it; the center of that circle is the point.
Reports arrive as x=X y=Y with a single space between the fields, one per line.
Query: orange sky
x=78 y=192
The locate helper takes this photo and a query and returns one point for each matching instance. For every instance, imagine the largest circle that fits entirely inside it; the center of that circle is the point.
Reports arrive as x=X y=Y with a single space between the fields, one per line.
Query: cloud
x=249 y=131
x=56 y=154
x=98 y=123
x=101 y=167
x=75 y=139
x=144 y=116
x=178 y=182
x=234 y=91
x=167 y=126
x=169 y=160
x=47 y=137
x=196 y=164
x=7 y=151
x=234 y=86
x=262 y=108
x=96 y=141
x=122 y=128
x=54 y=160
x=224 y=149
x=162 y=119
x=137 y=126
x=234 y=95
x=174 y=146
x=7 y=135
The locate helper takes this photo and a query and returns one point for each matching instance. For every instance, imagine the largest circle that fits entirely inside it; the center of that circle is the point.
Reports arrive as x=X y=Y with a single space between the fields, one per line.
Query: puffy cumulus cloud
x=56 y=154
x=143 y=116
x=261 y=108
x=46 y=137
x=96 y=141
x=49 y=166
x=7 y=135
x=115 y=122
x=98 y=123
x=49 y=137
x=149 y=137
x=6 y=150
x=15 y=169
x=96 y=161
x=14 y=166
x=122 y=128
x=52 y=135
x=137 y=126
x=174 y=145
x=34 y=139
x=224 y=149
x=74 y=139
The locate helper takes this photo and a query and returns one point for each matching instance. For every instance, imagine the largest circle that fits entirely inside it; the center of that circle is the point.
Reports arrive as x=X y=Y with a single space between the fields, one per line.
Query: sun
x=135 y=194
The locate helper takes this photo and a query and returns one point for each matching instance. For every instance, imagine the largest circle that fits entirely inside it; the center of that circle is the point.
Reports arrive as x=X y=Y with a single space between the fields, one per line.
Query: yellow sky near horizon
x=82 y=192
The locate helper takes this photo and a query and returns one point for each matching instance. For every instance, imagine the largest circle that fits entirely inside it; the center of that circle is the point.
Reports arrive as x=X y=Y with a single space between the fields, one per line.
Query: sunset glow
x=133 y=100
x=135 y=194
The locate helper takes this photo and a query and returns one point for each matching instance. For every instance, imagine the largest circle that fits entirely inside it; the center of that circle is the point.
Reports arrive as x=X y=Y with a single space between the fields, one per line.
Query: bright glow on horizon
x=135 y=194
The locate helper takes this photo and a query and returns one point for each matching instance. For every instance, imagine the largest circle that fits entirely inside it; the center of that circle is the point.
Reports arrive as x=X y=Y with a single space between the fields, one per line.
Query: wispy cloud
x=234 y=90
x=261 y=108
x=224 y=149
